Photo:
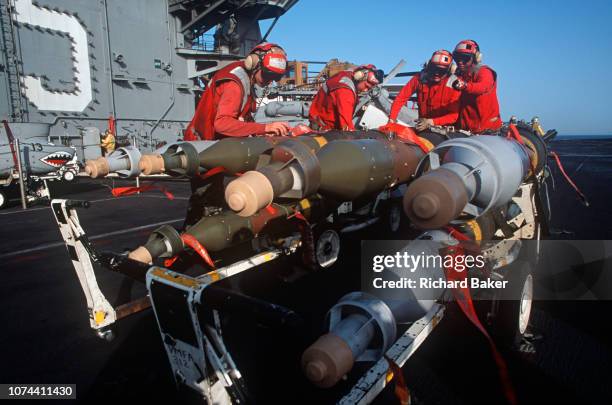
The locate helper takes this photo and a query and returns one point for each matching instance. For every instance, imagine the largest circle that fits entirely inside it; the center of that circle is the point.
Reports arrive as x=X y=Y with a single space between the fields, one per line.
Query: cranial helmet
x=269 y=57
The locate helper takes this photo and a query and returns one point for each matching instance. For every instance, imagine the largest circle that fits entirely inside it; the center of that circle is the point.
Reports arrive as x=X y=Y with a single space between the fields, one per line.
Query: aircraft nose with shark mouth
x=57 y=159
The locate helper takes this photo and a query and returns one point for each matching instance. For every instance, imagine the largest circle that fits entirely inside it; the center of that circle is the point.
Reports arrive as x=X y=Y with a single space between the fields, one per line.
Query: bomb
x=342 y=170
x=123 y=161
x=235 y=155
x=362 y=326
x=177 y=159
x=470 y=176
x=221 y=231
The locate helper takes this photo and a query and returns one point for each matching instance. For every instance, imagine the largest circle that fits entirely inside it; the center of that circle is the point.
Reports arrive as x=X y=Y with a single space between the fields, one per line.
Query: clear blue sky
x=553 y=58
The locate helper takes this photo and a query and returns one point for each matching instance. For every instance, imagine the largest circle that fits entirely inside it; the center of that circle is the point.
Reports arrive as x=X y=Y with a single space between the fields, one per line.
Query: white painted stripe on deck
x=100 y=236
x=95 y=201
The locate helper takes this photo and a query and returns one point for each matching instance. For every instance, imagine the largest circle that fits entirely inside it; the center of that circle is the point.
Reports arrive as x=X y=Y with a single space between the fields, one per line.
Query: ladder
x=12 y=61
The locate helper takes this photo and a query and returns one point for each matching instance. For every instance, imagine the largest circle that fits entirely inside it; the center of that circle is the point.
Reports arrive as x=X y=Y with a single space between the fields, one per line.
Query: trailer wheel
x=327 y=248
x=515 y=304
x=391 y=217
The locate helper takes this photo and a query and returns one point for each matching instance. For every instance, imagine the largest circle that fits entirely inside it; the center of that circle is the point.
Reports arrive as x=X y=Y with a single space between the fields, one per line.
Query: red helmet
x=366 y=73
x=442 y=58
x=467 y=47
x=271 y=57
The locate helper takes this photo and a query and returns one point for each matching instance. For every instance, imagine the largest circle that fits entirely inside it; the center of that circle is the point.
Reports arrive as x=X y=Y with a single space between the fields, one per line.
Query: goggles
x=462 y=57
x=437 y=70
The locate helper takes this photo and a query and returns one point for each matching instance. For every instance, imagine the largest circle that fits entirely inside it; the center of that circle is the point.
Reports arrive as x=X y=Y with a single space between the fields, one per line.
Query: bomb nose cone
x=236 y=201
x=249 y=193
x=327 y=360
x=425 y=205
x=151 y=164
x=315 y=370
x=97 y=167
x=141 y=254
x=435 y=199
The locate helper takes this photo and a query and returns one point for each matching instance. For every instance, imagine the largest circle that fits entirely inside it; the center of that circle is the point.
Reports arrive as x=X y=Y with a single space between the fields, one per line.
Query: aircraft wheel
x=69 y=176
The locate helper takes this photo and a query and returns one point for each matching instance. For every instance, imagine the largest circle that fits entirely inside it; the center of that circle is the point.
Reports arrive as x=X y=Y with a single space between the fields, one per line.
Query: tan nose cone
x=97 y=167
x=435 y=199
x=249 y=193
x=236 y=201
x=141 y=254
x=425 y=205
x=327 y=360
x=151 y=164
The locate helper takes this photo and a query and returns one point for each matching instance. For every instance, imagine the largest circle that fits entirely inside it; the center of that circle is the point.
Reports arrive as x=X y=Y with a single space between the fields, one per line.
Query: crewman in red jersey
x=478 y=105
x=334 y=105
x=226 y=107
x=438 y=102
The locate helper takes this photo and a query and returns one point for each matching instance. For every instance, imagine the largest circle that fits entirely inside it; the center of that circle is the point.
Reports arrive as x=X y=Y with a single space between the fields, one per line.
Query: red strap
x=111 y=125
x=401 y=389
x=193 y=243
x=569 y=180
x=271 y=209
x=121 y=191
x=308 y=253
x=169 y=262
x=214 y=171
x=456 y=234
x=464 y=300
x=405 y=133
x=11 y=139
x=513 y=133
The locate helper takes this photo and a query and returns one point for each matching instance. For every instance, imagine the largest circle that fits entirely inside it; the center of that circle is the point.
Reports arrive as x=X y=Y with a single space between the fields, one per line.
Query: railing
x=205 y=42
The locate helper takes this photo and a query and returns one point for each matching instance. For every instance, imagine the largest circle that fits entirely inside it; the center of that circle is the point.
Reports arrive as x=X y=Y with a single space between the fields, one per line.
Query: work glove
x=459 y=84
x=301 y=129
x=423 y=123
x=277 y=128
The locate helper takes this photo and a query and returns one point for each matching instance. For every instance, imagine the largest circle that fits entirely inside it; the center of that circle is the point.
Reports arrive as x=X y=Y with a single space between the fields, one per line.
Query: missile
x=469 y=175
x=363 y=326
x=123 y=161
x=221 y=231
x=343 y=170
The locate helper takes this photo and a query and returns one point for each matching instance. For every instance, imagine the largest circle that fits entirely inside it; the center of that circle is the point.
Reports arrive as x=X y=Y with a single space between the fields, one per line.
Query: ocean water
x=584 y=136
x=587 y=159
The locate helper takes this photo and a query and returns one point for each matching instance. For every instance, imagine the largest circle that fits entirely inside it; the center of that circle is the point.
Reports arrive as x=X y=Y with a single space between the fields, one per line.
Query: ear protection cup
x=477 y=55
x=254 y=59
x=365 y=72
x=251 y=62
x=359 y=75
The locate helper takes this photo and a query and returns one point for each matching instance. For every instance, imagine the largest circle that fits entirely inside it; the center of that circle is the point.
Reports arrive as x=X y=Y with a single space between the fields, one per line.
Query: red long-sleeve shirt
x=333 y=108
x=226 y=107
x=479 y=107
x=226 y=121
x=436 y=101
